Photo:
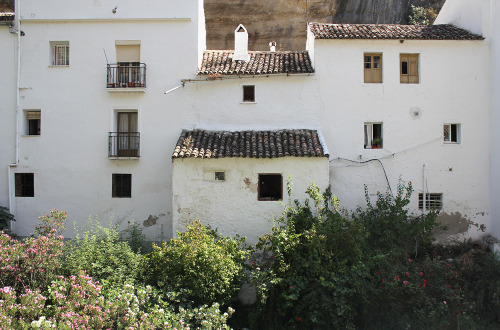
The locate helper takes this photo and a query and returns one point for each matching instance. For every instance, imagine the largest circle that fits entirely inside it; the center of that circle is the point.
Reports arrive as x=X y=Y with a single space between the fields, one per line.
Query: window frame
x=33 y=122
x=260 y=189
x=217 y=176
x=248 y=95
x=372 y=75
x=55 y=58
x=123 y=191
x=411 y=76
x=368 y=140
x=24 y=184
x=458 y=133
x=431 y=198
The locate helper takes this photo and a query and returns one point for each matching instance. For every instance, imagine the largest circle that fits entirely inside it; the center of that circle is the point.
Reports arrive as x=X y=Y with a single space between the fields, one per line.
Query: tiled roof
x=221 y=62
x=391 y=31
x=6 y=16
x=253 y=144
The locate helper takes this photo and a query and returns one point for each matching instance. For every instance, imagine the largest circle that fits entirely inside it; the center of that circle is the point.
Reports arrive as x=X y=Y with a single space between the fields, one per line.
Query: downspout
x=18 y=104
x=424 y=188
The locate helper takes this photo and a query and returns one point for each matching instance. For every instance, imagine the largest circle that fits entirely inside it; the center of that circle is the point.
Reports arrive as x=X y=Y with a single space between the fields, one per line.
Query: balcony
x=126 y=77
x=123 y=145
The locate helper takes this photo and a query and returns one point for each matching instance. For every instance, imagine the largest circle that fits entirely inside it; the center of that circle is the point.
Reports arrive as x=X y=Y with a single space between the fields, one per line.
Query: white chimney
x=272 y=46
x=241 y=44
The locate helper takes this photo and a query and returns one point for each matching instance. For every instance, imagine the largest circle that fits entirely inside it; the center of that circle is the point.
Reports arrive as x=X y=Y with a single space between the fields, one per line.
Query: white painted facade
x=72 y=170
x=232 y=205
x=480 y=16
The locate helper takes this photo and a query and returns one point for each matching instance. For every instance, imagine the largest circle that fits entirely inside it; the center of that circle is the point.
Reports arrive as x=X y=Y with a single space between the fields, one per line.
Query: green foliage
x=134 y=236
x=391 y=229
x=418 y=15
x=199 y=267
x=314 y=276
x=5 y=218
x=102 y=254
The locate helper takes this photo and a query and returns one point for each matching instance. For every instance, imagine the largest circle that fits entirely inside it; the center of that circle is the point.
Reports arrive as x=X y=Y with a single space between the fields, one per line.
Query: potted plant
x=377 y=143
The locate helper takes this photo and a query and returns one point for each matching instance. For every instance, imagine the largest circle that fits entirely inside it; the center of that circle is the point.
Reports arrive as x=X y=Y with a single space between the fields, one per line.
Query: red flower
x=378 y=273
x=421 y=274
x=405 y=282
x=290 y=287
x=407 y=274
x=409 y=260
x=299 y=319
x=397 y=278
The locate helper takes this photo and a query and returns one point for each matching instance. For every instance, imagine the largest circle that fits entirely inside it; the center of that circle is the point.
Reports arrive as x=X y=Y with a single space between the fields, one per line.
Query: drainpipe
x=17 y=13
x=424 y=188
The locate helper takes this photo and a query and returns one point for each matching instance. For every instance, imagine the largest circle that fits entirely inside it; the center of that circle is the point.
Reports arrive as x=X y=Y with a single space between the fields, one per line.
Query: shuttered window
x=409 y=68
x=373 y=68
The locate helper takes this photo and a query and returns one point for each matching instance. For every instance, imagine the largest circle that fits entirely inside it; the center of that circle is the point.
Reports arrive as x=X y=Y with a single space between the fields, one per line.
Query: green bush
x=5 y=218
x=102 y=255
x=199 y=267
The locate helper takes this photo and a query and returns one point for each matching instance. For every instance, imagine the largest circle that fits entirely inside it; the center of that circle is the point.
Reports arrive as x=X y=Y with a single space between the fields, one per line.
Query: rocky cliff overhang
x=391 y=31
x=220 y=62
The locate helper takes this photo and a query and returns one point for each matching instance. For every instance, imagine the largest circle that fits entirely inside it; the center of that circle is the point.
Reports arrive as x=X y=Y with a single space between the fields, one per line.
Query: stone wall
x=284 y=21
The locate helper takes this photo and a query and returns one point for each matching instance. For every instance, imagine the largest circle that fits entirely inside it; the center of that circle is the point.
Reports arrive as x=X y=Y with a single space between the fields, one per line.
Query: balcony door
x=128 y=136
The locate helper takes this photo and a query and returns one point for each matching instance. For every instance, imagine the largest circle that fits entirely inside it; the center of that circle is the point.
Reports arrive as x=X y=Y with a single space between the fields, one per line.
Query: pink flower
x=407 y=274
x=409 y=260
x=444 y=302
x=405 y=282
x=421 y=274
x=290 y=287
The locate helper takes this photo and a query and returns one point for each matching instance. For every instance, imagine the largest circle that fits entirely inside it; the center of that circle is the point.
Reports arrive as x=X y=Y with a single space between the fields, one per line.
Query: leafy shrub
x=5 y=218
x=200 y=266
x=417 y=15
x=102 y=255
x=134 y=236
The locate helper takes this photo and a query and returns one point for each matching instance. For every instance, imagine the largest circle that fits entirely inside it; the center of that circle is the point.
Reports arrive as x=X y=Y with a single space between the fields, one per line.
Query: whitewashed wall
x=453 y=88
x=231 y=206
x=70 y=157
x=8 y=78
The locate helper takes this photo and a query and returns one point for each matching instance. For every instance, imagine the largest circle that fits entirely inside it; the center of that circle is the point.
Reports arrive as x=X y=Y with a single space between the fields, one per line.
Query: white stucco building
x=96 y=133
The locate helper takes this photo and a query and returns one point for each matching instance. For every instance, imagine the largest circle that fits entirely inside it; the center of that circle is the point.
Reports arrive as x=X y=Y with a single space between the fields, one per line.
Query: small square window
x=122 y=185
x=25 y=184
x=270 y=187
x=373 y=68
x=451 y=133
x=249 y=93
x=373 y=136
x=408 y=68
x=33 y=121
x=59 y=53
x=433 y=201
x=220 y=176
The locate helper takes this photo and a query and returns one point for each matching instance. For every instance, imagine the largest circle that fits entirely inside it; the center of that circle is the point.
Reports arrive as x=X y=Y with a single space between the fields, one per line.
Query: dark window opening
x=373 y=136
x=270 y=187
x=25 y=184
x=404 y=67
x=451 y=133
x=34 y=127
x=220 y=176
x=122 y=185
x=249 y=93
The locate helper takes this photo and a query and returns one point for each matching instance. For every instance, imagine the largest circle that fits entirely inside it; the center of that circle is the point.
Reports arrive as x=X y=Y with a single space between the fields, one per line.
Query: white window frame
x=59 y=58
x=32 y=114
x=369 y=137
x=448 y=140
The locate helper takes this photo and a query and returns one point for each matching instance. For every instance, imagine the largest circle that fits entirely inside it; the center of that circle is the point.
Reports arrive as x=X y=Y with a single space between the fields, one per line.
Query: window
x=220 y=176
x=432 y=201
x=25 y=184
x=249 y=93
x=373 y=136
x=128 y=58
x=270 y=187
x=59 y=53
x=33 y=118
x=125 y=141
x=451 y=133
x=122 y=185
x=408 y=68
x=373 y=68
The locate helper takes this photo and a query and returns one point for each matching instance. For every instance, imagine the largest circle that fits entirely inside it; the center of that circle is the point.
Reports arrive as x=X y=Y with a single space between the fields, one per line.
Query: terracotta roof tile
x=221 y=62
x=253 y=144
x=391 y=31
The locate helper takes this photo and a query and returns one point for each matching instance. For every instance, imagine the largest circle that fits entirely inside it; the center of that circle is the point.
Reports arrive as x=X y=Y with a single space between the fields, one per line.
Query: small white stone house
x=235 y=181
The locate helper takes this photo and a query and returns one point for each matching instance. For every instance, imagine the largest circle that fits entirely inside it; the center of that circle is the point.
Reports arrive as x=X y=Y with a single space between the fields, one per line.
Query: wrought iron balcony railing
x=126 y=75
x=124 y=144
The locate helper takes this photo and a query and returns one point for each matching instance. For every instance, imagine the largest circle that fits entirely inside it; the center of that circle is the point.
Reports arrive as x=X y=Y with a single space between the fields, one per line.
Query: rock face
x=284 y=21
x=6 y=6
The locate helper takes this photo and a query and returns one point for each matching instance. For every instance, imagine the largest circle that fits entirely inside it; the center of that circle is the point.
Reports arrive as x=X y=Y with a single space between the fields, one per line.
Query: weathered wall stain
x=152 y=219
x=249 y=185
